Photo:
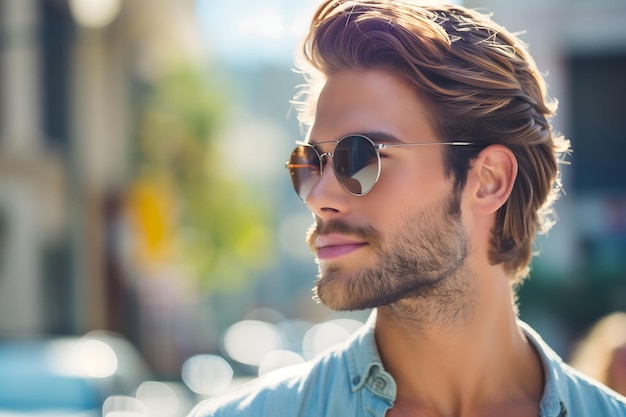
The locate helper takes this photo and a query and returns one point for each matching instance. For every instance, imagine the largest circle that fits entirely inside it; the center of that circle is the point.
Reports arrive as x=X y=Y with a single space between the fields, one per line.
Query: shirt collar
x=365 y=367
x=552 y=404
x=364 y=362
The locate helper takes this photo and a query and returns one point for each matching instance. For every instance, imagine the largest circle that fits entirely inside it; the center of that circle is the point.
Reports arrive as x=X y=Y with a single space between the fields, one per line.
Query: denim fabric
x=350 y=380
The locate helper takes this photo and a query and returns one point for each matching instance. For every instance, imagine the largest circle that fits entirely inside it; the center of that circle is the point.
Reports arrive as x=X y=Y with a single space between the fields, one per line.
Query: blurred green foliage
x=215 y=226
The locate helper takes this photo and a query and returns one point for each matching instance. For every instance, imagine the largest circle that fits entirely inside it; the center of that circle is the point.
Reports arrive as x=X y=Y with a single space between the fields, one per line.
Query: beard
x=424 y=260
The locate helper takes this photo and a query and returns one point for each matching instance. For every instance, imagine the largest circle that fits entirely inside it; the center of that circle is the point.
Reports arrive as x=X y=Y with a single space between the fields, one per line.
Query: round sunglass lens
x=304 y=167
x=356 y=164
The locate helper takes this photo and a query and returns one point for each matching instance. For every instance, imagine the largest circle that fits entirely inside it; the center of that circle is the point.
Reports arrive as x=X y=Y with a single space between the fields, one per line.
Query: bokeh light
x=277 y=359
x=159 y=399
x=95 y=13
x=325 y=335
x=207 y=374
x=96 y=358
x=249 y=341
x=83 y=357
x=123 y=406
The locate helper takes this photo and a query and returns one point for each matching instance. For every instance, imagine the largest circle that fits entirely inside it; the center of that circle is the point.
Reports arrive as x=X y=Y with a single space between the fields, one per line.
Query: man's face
x=405 y=238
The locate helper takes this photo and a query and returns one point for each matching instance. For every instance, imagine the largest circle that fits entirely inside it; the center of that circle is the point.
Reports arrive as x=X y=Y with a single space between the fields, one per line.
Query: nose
x=328 y=198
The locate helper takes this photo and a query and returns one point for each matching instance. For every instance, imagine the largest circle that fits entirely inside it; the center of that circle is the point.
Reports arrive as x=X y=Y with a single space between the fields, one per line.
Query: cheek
x=388 y=206
x=405 y=185
x=421 y=182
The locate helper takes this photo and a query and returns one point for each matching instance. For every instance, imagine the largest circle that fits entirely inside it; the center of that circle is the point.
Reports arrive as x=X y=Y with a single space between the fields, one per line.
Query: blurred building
x=71 y=75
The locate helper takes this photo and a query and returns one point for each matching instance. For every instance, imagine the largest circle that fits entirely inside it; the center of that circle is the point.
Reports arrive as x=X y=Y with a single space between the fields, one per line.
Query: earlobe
x=495 y=170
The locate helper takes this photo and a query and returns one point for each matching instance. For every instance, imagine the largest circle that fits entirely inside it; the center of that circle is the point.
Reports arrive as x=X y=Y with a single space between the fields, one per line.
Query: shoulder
x=287 y=391
x=567 y=389
x=589 y=397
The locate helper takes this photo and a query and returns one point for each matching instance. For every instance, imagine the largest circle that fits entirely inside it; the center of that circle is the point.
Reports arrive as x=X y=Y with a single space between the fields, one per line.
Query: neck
x=475 y=365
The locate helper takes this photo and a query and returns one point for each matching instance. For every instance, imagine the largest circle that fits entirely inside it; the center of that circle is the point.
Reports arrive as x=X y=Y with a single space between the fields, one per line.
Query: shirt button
x=356 y=380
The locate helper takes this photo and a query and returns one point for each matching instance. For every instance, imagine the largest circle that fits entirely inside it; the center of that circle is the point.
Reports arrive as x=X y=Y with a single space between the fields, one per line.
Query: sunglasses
x=355 y=160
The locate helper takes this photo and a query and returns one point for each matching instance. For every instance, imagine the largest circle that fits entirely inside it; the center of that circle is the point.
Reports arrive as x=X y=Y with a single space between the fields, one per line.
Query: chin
x=342 y=293
x=333 y=289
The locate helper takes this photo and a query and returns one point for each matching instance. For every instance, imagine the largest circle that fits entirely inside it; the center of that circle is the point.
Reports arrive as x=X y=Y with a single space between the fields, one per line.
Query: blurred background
x=145 y=215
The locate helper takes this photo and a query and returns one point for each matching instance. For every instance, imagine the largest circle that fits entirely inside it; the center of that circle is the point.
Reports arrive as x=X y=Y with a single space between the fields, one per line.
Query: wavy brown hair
x=480 y=84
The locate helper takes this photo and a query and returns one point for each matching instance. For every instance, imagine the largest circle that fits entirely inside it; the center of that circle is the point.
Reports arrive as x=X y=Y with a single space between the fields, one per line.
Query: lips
x=334 y=245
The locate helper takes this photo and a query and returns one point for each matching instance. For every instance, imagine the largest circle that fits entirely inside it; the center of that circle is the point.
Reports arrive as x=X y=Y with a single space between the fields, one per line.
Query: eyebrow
x=381 y=137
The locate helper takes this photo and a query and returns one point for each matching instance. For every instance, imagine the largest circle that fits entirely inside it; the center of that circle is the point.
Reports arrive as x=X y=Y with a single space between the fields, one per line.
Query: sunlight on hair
x=442 y=2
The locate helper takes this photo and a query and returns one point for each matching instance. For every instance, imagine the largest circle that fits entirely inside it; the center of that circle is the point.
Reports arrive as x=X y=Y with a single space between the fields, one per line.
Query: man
x=429 y=166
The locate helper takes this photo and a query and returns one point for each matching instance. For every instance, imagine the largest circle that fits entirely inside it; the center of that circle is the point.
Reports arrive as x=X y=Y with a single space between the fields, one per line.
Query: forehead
x=369 y=101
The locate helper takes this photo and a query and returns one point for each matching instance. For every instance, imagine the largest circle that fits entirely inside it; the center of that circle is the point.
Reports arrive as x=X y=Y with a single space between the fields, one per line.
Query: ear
x=494 y=171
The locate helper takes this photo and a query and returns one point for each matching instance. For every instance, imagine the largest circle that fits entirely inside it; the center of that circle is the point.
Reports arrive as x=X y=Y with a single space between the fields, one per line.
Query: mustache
x=365 y=233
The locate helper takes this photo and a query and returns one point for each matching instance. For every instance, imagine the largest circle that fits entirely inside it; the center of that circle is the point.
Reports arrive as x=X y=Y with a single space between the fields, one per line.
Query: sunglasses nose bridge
x=324 y=158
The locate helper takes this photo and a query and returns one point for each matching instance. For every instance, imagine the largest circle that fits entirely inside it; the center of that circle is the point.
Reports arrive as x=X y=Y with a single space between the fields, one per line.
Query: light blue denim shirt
x=350 y=381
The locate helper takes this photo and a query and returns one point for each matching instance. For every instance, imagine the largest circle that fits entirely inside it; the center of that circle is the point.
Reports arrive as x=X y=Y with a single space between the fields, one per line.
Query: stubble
x=420 y=270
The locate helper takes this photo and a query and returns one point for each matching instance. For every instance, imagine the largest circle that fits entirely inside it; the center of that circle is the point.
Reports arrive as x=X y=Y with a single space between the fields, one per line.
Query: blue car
x=67 y=376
